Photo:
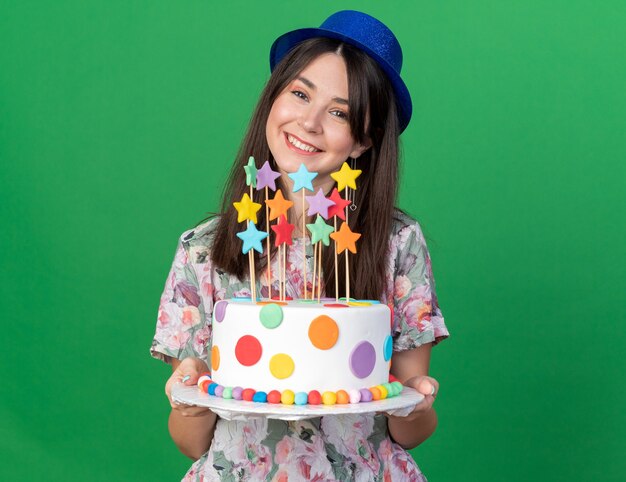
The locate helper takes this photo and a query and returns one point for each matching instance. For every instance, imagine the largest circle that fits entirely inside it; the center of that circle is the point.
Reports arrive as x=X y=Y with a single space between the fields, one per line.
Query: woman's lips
x=301 y=147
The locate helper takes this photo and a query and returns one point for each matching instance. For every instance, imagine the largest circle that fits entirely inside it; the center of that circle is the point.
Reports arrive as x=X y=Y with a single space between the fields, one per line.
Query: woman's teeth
x=305 y=147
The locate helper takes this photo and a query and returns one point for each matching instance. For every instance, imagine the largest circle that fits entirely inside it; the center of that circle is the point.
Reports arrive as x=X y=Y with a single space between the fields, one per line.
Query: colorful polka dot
x=271 y=315
x=287 y=397
x=355 y=396
x=376 y=395
x=227 y=393
x=388 y=348
x=366 y=395
x=248 y=350
x=238 y=393
x=383 y=391
x=215 y=358
x=248 y=394
x=335 y=305
x=359 y=303
x=301 y=398
x=342 y=397
x=329 y=398
x=281 y=366
x=323 y=332
x=398 y=387
x=220 y=310
x=314 y=397
x=273 y=396
x=260 y=397
x=362 y=359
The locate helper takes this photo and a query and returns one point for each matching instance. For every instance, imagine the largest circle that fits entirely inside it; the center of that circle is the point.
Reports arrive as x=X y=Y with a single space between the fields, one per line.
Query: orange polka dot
x=376 y=395
x=323 y=332
x=343 y=397
x=215 y=358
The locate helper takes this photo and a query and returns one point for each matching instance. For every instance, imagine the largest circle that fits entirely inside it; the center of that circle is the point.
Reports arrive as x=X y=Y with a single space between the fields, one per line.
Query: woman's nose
x=311 y=120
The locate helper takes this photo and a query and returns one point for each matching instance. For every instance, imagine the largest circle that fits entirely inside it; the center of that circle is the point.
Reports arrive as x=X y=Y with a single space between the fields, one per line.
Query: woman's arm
x=190 y=427
x=411 y=368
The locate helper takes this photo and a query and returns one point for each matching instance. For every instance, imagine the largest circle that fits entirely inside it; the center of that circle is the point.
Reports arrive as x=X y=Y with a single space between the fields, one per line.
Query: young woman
x=335 y=95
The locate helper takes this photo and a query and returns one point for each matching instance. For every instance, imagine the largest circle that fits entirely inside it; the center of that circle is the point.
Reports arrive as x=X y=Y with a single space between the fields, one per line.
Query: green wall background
x=118 y=121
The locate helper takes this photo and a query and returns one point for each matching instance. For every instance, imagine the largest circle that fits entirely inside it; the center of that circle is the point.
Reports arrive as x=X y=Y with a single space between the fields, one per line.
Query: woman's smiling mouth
x=299 y=145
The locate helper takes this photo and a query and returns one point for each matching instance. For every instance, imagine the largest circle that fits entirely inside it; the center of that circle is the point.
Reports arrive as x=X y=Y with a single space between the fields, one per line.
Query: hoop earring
x=350 y=196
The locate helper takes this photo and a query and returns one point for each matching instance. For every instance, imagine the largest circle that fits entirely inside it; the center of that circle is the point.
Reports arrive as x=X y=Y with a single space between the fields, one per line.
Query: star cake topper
x=251 y=172
x=266 y=177
x=320 y=231
x=339 y=209
x=302 y=178
x=319 y=204
x=278 y=206
x=345 y=238
x=283 y=231
x=252 y=238
x=246 y=209
x=346 y=176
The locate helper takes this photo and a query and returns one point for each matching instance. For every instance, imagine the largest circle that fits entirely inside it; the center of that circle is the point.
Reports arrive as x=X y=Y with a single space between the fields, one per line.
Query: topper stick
x=253 y=276
x=250 y=269
x=336 y=266
x=283 y=273
x=267 y=228
x=346 y=251
x=304 y=242
x=347 y=279
x=314 y=271
x=319 y=274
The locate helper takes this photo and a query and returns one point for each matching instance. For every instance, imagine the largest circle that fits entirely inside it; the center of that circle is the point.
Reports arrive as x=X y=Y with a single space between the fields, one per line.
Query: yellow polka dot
x=329 y=398
x=287 y=397
x=215 y=358
x=281 y=366
x=359 y=303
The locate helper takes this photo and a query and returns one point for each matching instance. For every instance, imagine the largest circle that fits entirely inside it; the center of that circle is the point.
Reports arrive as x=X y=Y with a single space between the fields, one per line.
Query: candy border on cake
x=313 y=397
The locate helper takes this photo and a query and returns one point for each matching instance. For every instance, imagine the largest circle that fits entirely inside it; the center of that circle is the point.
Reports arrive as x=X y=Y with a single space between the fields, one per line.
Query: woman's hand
x=427 y=386
x=186 y=372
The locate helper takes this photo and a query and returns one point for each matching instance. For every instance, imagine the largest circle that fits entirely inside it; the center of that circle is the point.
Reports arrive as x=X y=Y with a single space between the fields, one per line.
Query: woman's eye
x=300 y=94
x=339 y=113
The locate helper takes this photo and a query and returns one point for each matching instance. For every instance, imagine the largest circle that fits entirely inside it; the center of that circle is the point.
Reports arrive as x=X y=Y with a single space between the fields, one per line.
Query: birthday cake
x=301 y=352
x=305 y=351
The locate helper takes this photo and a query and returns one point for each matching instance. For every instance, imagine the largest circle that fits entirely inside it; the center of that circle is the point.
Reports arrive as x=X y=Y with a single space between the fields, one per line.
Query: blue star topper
x=302 y=178
x=252 y=238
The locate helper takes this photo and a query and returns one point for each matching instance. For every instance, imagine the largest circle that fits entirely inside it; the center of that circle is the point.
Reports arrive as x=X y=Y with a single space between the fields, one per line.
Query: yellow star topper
x=246 y=209
x=346 y=177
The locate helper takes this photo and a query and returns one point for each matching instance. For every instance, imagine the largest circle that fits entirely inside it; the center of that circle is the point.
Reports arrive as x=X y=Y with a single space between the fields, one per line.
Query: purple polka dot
x=366 y=395
x=362 y=359
x=219 y=390
x=220 y=310
x=237 y=393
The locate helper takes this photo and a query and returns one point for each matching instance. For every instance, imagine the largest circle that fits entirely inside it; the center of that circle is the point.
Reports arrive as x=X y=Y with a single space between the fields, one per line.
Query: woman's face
x=308 y=122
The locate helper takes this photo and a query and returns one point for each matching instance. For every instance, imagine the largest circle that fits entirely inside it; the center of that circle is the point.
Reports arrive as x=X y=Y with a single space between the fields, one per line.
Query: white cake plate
x=230 y=409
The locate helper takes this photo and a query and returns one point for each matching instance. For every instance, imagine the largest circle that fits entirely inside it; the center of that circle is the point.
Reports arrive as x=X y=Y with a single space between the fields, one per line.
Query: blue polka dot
x=388 y=348
x=301 y=398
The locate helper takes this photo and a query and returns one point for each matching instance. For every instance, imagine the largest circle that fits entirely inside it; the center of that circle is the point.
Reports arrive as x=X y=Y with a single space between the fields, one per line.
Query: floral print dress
x=338 y=448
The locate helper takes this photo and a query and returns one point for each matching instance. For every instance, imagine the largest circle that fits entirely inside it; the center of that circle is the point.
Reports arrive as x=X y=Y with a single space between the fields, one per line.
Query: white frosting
x=315 y=369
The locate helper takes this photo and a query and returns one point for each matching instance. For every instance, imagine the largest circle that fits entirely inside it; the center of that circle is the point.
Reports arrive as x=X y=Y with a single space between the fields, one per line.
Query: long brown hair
x=371 y=99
